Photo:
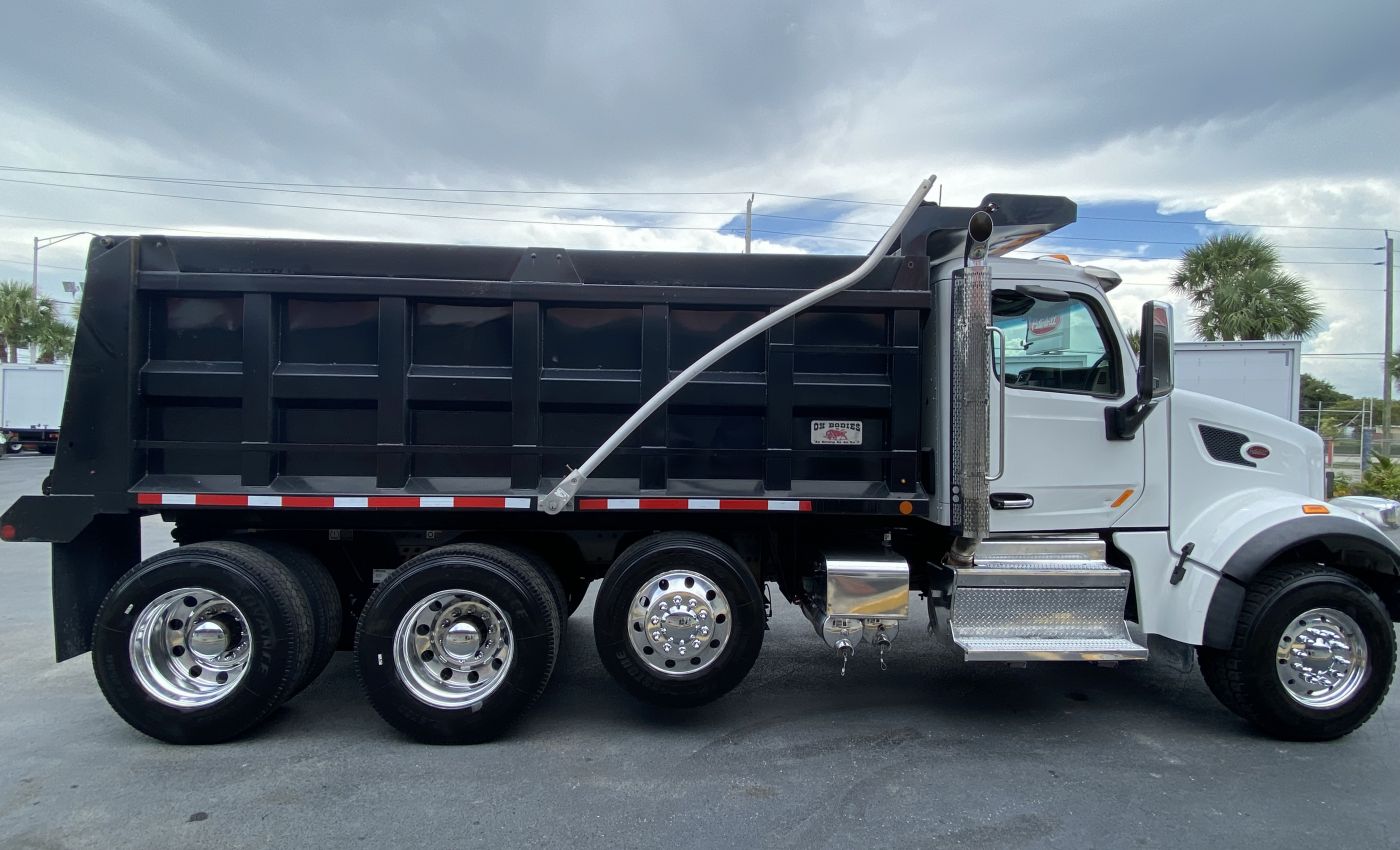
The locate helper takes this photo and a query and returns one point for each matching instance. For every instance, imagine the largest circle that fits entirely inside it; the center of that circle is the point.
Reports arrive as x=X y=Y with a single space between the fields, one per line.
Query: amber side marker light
x=1316 y=509
x=1121 y=499
x=906 y=508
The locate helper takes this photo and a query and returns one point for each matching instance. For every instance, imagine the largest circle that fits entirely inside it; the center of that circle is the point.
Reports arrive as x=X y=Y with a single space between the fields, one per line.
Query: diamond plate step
x=1011 y=649
x=1042 y=574
x=1057 y=608
x=1033 y=548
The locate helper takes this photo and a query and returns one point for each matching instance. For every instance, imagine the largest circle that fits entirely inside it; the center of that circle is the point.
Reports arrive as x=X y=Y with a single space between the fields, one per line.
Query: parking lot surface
x=932 y=753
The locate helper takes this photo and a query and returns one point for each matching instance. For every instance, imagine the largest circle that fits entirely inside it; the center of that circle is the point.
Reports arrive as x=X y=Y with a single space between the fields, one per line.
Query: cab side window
x=1058 y=346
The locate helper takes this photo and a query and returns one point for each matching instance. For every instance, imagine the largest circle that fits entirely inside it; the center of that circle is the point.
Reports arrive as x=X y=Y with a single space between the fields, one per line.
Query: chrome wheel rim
x=1322 y=658
x=190 y=647
x=453 y=649
x=679 y=623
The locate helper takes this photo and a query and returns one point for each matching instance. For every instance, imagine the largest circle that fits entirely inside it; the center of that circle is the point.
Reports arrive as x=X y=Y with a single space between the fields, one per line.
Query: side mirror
x=1154 y=377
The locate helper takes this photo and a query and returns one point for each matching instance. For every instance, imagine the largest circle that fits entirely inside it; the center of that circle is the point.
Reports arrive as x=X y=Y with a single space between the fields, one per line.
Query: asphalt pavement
x=932 y=753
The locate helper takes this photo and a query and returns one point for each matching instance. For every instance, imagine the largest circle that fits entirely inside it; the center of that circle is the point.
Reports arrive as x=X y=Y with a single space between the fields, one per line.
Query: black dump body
x=259 y=378
x=235 y=366
x=208 y=368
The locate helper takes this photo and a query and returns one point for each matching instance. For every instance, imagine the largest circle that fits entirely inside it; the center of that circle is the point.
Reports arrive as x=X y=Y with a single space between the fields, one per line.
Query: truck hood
x=1295 y=455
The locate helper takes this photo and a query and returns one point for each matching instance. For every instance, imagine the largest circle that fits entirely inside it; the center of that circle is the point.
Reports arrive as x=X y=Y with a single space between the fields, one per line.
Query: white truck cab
x=1215 y=510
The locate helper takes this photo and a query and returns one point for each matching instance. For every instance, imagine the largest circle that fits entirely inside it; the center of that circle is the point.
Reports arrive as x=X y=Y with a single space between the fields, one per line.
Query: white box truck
x=1262 y=374
x=31 y=405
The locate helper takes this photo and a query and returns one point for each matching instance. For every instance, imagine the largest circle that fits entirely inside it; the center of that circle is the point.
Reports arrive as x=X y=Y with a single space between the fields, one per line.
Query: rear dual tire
x=454 y=645
x=679 y=619
x=198 y=644
x=322 y=594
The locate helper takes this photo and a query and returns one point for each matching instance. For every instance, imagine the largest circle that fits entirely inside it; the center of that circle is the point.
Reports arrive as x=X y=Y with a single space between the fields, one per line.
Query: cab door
x=1064 y=366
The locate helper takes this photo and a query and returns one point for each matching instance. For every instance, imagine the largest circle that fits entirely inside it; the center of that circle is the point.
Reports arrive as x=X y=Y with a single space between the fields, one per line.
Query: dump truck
x=426 y=453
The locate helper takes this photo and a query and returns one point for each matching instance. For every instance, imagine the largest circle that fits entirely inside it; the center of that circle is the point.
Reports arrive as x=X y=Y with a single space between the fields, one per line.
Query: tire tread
x=322 y=593
x=538 y=594
x=289 y=601
x=1227 y=672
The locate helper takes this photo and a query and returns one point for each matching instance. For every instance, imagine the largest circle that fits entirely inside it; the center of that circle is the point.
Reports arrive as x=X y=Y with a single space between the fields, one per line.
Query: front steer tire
x=144 y=625
x=1246 y=677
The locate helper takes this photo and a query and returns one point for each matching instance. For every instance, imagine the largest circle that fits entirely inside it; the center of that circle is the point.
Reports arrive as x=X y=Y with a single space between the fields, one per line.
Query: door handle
x=1012 y=501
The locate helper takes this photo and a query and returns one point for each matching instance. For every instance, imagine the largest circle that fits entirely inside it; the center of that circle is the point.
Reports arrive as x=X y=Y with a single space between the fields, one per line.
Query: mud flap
x=83 y=571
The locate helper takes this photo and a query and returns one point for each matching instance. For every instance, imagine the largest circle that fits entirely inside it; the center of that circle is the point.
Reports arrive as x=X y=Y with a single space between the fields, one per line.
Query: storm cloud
x=1275 y=112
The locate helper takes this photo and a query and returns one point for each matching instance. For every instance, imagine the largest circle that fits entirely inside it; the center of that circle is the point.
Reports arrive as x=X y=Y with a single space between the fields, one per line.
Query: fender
x=1340 y=538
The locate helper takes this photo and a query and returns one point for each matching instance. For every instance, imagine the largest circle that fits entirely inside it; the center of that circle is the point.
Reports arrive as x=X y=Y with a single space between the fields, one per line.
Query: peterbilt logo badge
x=1256 y=451
x=830 y=432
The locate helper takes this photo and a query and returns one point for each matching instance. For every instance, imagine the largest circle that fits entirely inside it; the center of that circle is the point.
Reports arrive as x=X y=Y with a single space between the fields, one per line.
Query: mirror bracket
x=1123 y=422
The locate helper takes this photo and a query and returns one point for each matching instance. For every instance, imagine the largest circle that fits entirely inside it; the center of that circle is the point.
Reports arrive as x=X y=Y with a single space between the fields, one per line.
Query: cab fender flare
x=1351 y=543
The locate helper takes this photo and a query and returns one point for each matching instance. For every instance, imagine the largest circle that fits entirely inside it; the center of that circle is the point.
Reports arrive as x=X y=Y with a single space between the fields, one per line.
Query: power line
x=203 y=180
x=1310 y=287
x=27 y=263
x=1111 y=257
x=146 y=227
x=362 y=211
x=615 y=193
x=1230 y=224
x=614 y=225
x=244 y=202
x=220 y=184
x=1052 y=237
x=828 y=200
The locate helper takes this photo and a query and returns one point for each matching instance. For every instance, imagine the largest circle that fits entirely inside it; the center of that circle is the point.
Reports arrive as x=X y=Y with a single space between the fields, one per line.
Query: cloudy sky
x=1154 y=116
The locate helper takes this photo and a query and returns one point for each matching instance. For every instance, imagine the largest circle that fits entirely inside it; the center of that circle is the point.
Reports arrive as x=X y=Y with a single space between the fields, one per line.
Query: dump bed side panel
x=262 y=366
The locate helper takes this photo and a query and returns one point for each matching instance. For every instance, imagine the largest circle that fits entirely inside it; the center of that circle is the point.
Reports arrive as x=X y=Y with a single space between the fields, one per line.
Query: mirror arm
x=1123 y=422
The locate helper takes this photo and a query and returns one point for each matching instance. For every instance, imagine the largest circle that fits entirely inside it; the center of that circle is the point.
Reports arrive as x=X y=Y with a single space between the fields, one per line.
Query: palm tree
x=1240 y=291
x=16 y=312
x=29 y=321
x=53 y=338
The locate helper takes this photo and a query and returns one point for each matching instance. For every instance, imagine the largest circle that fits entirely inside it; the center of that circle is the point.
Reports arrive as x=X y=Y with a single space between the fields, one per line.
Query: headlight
x=1382 y=513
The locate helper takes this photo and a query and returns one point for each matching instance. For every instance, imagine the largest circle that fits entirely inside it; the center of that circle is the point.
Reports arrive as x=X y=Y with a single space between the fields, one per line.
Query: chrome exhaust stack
x=971 y=387
x=857 y=598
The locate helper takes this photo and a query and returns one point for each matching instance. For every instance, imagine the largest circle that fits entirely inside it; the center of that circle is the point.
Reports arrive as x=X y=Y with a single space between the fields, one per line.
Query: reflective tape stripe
x=525 y=503
x=694 y=505
x=238 y=500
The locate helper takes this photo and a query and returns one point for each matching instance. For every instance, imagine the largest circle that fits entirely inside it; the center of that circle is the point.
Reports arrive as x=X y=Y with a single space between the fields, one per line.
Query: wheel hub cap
x=461 y=640
x=679 y=623
x=1322 y=658
x=209 y=639
x=190 y=647
x=452 y=649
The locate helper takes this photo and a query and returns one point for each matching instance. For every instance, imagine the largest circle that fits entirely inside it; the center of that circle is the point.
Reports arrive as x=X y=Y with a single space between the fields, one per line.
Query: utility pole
x=34 y=281
x=748 y=226
x=1389 y=332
